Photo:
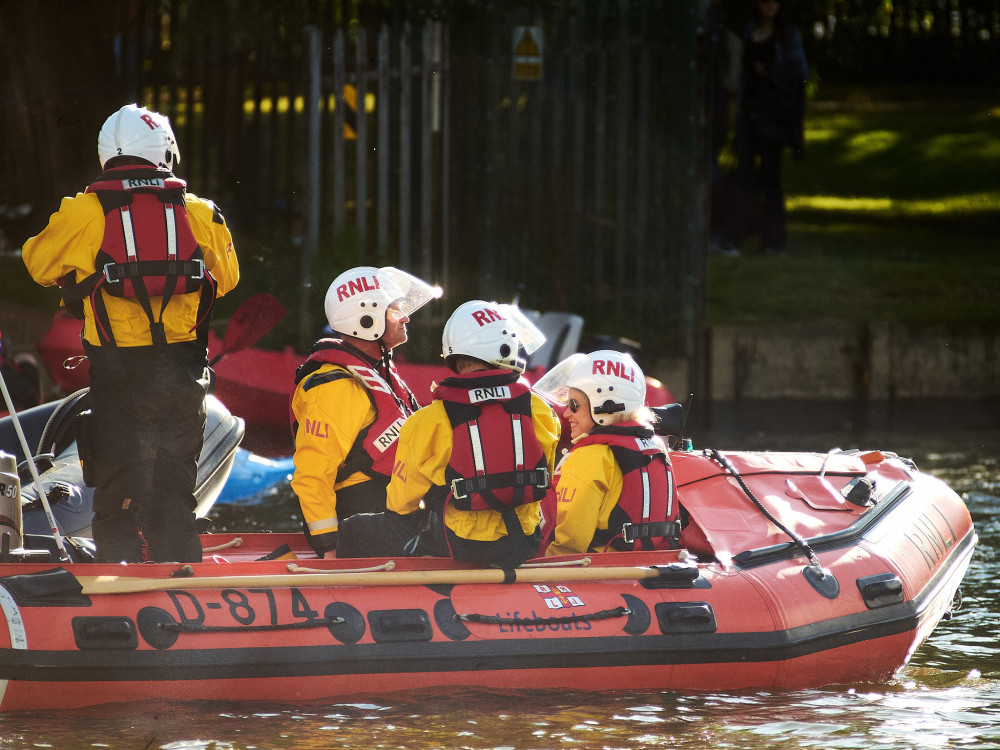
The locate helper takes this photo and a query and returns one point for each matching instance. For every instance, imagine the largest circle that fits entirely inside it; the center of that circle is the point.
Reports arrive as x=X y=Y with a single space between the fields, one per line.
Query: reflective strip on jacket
x=422 y=457
x=69 y=245
x=345 y=425
x=590 y=486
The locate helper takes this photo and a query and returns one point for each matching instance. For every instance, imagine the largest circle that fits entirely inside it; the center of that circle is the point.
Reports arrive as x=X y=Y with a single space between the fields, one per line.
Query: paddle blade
x=255 y=317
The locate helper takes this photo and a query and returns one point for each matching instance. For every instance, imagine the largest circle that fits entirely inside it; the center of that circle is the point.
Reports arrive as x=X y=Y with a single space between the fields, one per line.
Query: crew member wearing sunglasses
x=615 y=487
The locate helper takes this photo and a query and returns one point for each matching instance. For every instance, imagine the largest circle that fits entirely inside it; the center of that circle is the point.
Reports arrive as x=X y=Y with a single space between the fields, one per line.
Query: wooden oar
x=93 y=585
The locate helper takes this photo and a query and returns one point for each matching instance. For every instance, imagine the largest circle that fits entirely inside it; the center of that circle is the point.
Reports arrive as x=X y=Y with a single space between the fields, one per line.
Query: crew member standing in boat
x=141 y=261
x=349 y=401
x=472 y=467
x=615 y=487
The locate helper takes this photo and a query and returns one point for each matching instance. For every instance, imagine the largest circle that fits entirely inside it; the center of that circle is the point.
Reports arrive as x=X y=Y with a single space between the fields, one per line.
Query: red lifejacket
x=645 y=516
x=496 y=460
x=374 y=450
x=148 y=249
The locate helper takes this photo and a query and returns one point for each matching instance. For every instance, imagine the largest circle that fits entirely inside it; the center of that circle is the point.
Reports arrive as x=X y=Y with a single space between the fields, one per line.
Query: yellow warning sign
x=528 y=44
x=527 y=47
x=350 y=112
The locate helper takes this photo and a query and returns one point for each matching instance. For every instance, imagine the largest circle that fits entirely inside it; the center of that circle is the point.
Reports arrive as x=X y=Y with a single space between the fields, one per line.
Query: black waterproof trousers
x=146 y=434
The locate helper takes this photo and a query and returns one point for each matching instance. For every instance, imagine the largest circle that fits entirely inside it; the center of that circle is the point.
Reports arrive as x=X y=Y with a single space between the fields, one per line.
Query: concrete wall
x=877 y=375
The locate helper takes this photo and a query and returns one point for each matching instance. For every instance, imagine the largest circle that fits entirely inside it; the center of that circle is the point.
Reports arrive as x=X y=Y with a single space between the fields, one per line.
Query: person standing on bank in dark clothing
x=770 y=115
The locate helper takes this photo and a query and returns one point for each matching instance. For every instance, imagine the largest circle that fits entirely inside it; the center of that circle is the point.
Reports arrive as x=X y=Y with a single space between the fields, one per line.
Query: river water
x=947 y=697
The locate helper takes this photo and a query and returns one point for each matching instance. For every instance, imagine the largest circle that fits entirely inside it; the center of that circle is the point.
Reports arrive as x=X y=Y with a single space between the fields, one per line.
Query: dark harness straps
x=463 y=487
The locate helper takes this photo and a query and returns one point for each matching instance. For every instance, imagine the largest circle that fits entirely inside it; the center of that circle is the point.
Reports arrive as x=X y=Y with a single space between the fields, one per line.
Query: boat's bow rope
x=796 y=538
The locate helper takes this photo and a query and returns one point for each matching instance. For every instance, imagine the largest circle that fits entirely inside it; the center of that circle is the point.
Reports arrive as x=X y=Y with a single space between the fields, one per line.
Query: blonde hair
x=643 y=415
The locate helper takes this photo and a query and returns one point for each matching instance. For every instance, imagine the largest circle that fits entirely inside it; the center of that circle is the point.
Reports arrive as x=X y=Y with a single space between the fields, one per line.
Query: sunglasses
x=573 y=405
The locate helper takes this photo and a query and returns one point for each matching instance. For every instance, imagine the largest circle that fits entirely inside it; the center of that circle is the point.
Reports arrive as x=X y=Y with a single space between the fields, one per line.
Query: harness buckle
x=455 y=492
x=201 y=269
x=667 y=529
x=107 y=273
x=546 y=481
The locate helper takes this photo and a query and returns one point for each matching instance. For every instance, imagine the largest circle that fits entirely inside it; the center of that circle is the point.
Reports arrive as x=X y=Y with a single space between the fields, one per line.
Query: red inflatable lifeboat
x=798 y=570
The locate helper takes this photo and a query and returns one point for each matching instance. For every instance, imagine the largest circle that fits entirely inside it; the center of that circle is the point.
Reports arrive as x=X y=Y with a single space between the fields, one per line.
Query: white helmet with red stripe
x=611 y=380
x=357 y=300
x=137 y=131
x=492 y=333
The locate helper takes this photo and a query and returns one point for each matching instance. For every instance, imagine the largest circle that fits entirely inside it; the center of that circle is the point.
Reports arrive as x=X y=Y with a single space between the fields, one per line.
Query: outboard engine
x=51 y=428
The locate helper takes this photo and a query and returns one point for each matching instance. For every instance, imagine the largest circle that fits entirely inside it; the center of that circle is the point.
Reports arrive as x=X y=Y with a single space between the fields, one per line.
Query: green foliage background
x=892 y=216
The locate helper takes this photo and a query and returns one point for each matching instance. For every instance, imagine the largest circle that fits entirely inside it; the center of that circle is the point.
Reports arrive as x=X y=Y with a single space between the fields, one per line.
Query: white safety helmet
x=137 y=131
x=611 y=380
x=357 y=300
x=492 y=333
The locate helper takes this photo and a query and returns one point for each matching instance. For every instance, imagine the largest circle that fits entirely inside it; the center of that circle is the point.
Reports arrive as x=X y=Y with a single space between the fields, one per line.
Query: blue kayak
x=253 y=476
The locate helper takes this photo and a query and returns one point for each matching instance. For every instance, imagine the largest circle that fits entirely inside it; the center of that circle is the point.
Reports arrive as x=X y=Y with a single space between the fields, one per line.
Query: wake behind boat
x=797 y=570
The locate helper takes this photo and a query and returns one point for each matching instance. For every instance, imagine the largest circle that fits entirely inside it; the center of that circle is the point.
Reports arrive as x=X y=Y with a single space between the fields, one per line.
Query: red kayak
x=254 y=384
x=799 y=570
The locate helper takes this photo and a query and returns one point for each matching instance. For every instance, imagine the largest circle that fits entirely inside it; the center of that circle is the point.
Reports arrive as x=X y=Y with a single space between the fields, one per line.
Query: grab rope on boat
x=797 y=539
x=191 y=627
x=604 y=614
x=583 y=562
x=235 y=542
x=296 y=568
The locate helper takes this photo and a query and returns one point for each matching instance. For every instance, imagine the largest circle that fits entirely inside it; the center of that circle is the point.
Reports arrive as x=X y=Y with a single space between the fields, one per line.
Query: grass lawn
x=894 y=215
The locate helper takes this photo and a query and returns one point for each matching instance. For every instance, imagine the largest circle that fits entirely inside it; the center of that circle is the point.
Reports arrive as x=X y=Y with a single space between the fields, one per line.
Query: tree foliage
x=941 y=42
x=58 y=81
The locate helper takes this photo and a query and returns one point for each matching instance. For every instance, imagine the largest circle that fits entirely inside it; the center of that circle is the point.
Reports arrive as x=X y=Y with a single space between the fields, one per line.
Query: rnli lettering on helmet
x=486 y=315
x=614 y=369
x=385 y=441
x=143 y=182
x=489 y=394
x=356 y=286
x=148 y=119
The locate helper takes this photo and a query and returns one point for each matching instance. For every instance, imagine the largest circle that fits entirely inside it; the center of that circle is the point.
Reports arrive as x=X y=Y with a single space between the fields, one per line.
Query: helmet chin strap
x=386 y=359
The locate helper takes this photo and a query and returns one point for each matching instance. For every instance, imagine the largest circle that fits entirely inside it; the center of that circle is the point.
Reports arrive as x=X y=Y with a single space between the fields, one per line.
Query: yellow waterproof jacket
x=69 y=244
x=587 y=490
x=330 y=418
x=423 y=453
